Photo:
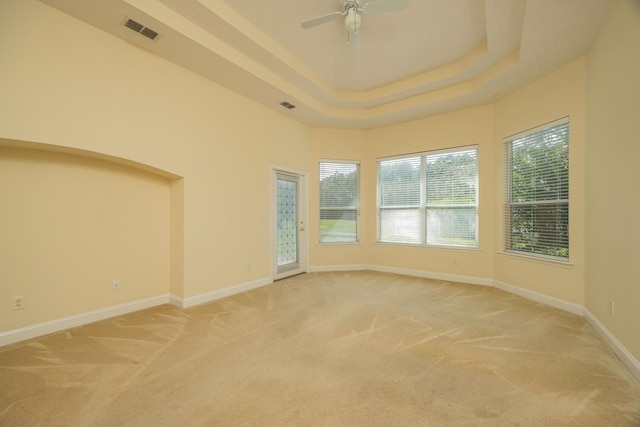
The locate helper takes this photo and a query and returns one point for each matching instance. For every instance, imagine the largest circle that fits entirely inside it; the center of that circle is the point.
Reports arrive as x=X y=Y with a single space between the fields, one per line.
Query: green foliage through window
x=537 y=191
x=339 y=202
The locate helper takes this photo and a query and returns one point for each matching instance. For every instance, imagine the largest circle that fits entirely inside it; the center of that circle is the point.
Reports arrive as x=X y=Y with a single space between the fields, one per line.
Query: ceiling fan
x=351 y=10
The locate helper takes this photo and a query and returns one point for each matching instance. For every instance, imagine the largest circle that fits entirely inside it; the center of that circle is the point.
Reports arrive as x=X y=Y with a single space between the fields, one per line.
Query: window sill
x=537 y=259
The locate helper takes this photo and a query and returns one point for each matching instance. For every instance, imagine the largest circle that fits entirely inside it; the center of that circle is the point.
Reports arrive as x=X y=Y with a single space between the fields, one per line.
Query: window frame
x=355 y=209
x=423 y=206
x=508 y=203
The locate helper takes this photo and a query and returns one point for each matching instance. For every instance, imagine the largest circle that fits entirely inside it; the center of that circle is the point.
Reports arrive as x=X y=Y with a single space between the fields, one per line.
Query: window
x=429 y=198
x=537 y=191
x=339 y=201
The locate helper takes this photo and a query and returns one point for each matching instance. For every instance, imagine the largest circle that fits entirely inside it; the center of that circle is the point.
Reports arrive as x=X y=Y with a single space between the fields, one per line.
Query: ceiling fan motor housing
x=352 y=4
x=352 y=20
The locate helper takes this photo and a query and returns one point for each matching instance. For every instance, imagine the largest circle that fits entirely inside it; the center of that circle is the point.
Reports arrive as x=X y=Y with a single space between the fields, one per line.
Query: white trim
x=625 y=356
x=221 y=293
x=324 y=244
x=557 y=261
x=419 y=246
x=175 y=300
x=558 y=303
x=287 y=169
x=616 y=346
x=330 y=268
x=40 y=329
x=455 y=149
x=424 y=205
x=338 y=161
x=432 y=275
x=525 y=293
x=51 y=326
x=540 y=128
x=627 y=359
x=403 y=271
x=303 y=206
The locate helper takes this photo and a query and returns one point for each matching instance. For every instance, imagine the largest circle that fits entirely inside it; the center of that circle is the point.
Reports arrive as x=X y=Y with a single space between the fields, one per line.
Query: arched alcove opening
x=85 y=232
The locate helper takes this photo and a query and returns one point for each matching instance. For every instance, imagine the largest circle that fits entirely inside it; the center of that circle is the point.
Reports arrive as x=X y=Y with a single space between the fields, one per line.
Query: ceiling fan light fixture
x=352 y=20
x=351 y=10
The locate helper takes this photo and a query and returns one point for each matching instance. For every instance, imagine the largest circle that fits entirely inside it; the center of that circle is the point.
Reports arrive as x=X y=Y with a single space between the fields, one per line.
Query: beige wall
x=336 y=144
x=559 y=94
x=176 y=238
x=613 y=174
x=69 y=226
x=468 y=127
x=422 y=135
x=68 y=84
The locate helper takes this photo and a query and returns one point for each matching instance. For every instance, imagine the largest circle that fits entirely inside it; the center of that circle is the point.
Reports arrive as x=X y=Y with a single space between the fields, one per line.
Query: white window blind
x=339 y=202
x=537 y=191
x=451 y=184
x=399 y=194
x=429 y=199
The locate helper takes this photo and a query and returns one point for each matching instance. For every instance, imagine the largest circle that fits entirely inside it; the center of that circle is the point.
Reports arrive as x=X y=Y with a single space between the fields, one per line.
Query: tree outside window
x=537 y=191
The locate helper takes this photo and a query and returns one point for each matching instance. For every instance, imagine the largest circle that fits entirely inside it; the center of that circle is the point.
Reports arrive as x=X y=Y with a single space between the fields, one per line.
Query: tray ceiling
x=432 y=57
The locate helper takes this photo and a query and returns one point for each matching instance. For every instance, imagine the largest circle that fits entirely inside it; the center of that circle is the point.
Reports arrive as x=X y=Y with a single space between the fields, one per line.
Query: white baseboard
x=616 y=346
x=40 y=329
x=330 y=268
x=21 y=334
x=541 y=298
x=27 y=332
x=525 y=293
x=175 y=300
x=219 y=293
x=431 y=275
x=404 y=271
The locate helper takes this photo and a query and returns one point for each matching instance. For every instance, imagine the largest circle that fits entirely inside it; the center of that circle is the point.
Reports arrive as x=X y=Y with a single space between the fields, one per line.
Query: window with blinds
x=429 y=198
x=537 y=191
x=339 y=201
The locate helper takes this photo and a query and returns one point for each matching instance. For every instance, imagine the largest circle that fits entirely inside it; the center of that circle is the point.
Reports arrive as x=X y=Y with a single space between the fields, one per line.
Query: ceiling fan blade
x=321 y=19
x=381 y=6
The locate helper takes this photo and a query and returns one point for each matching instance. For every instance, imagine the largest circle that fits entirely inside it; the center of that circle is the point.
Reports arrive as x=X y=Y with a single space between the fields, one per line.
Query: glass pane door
x=287 y=221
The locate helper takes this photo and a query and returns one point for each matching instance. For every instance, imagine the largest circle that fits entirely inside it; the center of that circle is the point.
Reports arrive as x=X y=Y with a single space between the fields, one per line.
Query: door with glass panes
x=289 y=224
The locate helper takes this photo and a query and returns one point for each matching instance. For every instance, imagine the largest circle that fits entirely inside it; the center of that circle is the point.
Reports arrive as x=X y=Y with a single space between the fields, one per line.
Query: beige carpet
x=326 y=349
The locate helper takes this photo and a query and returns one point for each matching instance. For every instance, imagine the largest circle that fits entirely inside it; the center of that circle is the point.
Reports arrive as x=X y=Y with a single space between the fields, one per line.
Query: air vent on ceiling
x=148 y=32
x=139 y=28
x=287 y=105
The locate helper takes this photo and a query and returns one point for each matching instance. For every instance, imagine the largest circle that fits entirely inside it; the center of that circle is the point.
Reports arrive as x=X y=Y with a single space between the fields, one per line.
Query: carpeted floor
x=325 y=349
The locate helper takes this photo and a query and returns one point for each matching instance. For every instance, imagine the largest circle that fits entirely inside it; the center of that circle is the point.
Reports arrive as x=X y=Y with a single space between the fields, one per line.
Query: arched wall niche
x=74 y=222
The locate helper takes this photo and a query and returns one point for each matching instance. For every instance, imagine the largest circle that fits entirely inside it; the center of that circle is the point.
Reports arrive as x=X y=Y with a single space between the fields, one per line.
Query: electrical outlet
x=115 y=284
x=248 y=268
x=612 y=307
x=17 y=303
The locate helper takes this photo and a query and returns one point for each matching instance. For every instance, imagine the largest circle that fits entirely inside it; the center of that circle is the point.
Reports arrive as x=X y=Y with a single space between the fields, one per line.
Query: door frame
x=303 y=215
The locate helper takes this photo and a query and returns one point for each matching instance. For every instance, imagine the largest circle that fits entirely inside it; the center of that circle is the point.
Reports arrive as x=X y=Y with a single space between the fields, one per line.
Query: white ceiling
x=429 y=40
x=432 y=57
